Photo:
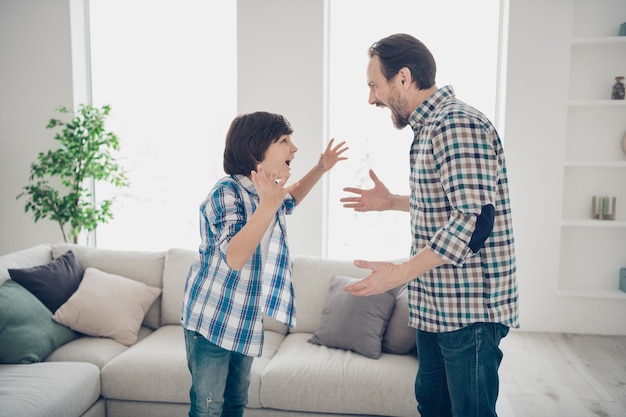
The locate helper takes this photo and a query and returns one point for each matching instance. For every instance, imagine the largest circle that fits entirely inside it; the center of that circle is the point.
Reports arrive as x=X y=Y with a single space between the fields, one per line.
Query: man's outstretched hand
x=384 y=276
x=374 y=199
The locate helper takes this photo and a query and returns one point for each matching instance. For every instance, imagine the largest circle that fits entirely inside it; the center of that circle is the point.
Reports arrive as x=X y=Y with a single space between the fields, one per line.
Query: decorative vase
x=618 y=89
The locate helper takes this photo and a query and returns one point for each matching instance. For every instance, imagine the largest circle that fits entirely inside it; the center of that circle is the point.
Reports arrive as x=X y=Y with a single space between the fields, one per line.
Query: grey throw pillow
x=52 y=283
x=354 y=323
x=400 y=337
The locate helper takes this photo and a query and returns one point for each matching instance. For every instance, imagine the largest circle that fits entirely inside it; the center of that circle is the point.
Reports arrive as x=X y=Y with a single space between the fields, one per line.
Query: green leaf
x=84 y=154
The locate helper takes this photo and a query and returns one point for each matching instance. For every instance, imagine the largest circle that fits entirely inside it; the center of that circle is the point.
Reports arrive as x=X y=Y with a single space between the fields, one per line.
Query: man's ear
x=405 y=77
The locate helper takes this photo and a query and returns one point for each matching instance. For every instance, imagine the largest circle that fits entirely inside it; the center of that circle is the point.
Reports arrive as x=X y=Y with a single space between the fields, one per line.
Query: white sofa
x=98 y=376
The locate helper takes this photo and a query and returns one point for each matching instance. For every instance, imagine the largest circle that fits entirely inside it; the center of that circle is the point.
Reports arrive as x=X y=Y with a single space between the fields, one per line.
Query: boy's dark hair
x=401 y=50
x=248 y=138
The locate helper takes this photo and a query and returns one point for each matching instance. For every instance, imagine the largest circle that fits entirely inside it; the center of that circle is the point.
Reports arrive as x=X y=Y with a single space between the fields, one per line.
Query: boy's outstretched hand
x=332 y=155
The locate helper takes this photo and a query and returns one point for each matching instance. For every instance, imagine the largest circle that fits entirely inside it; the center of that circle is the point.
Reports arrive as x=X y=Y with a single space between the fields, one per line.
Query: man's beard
x=398 y=106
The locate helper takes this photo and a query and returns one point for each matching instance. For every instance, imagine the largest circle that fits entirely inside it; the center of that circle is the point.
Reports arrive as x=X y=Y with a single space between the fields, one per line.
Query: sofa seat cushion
x=96 y=350
x=159 y=358
x=338 y=381
x=124 y=377
x=59 y=389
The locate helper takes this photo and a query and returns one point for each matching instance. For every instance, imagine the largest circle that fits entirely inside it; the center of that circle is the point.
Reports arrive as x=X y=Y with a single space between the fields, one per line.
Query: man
x=461 y=274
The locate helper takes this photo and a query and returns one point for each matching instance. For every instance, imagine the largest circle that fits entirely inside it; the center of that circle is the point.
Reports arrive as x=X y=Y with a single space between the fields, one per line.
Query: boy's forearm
x=307 y=183
x=244 y=243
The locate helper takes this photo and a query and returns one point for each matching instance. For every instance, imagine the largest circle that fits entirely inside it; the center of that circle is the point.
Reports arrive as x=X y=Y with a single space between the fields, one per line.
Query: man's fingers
x=356 y=288
x=353 y=190
x=360 y=263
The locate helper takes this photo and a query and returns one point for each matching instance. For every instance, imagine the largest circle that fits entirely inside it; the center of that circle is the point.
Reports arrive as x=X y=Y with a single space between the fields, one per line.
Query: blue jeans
x=458 y=371
x=219 y=378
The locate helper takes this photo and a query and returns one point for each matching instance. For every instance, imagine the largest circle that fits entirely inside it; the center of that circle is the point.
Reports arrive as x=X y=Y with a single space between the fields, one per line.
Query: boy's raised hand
x=271 y=192
x=332 y=155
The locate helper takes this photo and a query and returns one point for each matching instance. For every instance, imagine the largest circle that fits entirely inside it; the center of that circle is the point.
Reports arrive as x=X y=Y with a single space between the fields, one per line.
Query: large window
x=169 y=71
x=463 y=37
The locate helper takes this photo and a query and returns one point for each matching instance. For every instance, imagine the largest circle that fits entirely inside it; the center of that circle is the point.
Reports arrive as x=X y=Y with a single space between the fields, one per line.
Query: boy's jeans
x=219 y=378
x=458 y=371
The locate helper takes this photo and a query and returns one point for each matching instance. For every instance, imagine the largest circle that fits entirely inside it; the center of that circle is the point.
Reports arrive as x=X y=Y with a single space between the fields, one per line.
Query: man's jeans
x=219 y=378
x=458 y=371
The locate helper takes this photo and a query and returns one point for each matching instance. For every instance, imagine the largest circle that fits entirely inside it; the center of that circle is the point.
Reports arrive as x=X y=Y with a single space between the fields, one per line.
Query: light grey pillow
x=399 y=337
x=354 y=323
x=107 y=305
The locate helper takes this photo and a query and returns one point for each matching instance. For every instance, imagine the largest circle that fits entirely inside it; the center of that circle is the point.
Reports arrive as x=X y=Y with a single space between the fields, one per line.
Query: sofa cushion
x=142 y=266
x=311 y=281
x=400 y=338
x=96 y=350
x=27 y=332
x=123 y=377
x=177 y=263
x=175 y=269
x=338 y=381
x=52 y=283
x=59 y=389
x=107 y=305
x=354 y=323
x=25 y=258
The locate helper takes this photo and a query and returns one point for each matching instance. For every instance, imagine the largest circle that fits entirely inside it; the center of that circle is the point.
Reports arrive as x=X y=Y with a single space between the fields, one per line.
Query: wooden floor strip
x=560 y=374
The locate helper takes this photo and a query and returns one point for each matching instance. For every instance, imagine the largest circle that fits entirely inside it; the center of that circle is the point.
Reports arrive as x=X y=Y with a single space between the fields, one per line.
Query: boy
x=244 y=270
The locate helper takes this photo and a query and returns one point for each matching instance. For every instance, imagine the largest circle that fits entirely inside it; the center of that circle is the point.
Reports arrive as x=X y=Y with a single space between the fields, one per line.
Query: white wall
x=35 y=79
x=535 y=130
x=280 y=69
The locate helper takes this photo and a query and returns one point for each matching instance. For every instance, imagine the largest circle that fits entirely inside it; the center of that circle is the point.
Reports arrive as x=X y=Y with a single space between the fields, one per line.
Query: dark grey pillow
x=354 y=323
x=52 y=283
x=399 y=337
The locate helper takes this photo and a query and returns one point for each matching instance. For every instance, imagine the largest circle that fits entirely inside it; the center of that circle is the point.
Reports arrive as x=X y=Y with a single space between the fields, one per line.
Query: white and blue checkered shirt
x=227 y=306
x=460 y=209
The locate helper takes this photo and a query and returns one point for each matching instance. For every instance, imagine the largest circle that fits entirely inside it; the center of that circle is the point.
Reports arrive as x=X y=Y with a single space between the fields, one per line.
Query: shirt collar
x=424 y=110
x=245 y=182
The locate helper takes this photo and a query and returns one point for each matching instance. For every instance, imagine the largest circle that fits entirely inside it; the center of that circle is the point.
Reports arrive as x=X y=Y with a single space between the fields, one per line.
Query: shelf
x=593 y=223
x=604 y=294
x=599 y=40
x=597 y=103
x=595 y=164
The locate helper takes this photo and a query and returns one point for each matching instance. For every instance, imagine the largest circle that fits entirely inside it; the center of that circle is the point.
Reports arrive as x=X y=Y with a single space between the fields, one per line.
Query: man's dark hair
x=248 y=138
x=401 y=50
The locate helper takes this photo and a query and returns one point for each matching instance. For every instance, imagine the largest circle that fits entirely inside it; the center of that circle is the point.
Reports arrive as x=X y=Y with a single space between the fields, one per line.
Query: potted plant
x=60 y=180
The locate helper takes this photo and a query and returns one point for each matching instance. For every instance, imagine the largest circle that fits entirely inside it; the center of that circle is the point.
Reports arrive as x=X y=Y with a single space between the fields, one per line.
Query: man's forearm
x=399 y=202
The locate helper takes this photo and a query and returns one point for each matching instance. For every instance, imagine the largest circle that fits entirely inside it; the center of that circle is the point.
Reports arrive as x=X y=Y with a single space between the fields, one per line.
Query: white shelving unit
x=594 y=163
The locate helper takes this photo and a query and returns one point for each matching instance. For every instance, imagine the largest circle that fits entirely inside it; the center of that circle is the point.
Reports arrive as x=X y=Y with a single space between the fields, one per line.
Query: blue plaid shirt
x=227 y=306
x=460 y=208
